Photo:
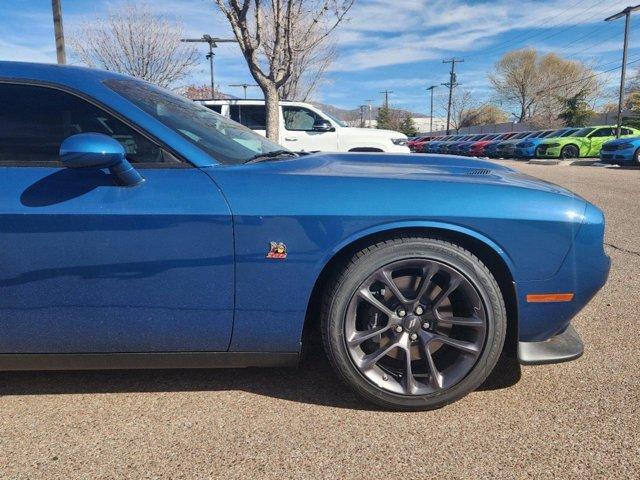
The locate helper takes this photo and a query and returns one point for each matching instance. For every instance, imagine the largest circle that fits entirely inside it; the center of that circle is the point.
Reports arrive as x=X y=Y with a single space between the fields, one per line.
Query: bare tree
x=533 y=85
x=462 y=105
x=134 y=40
x=483 y=115
x=274 y=35
x=308 y=72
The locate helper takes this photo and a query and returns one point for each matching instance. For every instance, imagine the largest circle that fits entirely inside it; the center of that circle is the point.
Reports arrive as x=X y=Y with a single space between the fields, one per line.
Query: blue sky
x=397 y=45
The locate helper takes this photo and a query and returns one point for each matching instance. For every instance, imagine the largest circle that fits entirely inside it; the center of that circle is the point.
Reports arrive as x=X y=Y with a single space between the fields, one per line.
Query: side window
x=300 y=118
x=251 y=116
x=215 y=108
x=35 y=120
x=603 y=132
x=626 y=131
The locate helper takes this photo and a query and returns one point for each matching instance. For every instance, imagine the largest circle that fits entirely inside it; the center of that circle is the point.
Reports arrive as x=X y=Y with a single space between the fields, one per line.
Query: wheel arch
x=494 y=257
x=367 y=149
x=570 y=145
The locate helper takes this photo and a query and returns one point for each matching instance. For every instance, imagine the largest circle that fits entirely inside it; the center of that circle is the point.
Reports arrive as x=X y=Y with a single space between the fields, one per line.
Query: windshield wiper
x=261 y=157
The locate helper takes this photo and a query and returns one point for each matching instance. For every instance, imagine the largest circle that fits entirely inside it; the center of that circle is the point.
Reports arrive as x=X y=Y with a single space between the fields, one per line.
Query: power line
x=627 y=22
x=504 y=45
x=500 y=46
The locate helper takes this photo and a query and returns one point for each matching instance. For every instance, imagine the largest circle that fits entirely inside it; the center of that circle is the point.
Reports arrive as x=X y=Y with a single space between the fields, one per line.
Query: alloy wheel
x=415 y=327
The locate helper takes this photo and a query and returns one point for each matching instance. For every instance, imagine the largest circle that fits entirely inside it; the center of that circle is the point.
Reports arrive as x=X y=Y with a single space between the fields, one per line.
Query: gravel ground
x=574 y=420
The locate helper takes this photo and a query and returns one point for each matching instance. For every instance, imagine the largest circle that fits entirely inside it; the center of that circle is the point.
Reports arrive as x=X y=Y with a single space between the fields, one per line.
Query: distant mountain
x=354 y=114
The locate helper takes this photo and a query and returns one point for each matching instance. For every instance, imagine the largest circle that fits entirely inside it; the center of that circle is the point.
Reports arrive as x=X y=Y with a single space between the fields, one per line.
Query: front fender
x=417 y=224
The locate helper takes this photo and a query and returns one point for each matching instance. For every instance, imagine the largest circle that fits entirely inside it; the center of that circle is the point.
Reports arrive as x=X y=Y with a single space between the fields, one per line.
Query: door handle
x=290 y=139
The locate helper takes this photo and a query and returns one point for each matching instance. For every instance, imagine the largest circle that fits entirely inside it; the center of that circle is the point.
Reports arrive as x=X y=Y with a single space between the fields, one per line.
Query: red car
x=419 y=143
x=477 y=149
x=415 y=145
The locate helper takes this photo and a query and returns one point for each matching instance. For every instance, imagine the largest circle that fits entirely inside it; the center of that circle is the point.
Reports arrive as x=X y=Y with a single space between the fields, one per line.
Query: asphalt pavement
x=574 y=420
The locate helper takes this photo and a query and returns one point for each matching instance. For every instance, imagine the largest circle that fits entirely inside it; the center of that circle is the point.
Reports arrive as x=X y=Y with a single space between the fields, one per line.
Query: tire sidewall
x=563 y=154
x=442 y=252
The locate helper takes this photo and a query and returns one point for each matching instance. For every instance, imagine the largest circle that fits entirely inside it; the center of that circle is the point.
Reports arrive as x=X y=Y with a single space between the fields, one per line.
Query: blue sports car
x=141 y=230
x=527 y=148
x=621 y=151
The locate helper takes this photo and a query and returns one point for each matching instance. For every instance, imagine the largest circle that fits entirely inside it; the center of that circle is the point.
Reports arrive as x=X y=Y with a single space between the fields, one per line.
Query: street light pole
x=213 y=43
x=370 y=110
x=627 y=14
x=432 y=87
x=243 y=85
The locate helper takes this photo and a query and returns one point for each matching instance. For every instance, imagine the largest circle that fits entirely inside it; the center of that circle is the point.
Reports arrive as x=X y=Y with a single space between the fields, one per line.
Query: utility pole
x=386 y=97
x=431 y=88
x=627 y=14
x=362 y=108
x=59 y=33
x=213 y=43
x=245 y=86
x=370 y=111
x=452 y=83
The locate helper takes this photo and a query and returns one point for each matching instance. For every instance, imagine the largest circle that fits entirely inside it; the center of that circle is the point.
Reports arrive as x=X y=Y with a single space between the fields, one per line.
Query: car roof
x=69 y=75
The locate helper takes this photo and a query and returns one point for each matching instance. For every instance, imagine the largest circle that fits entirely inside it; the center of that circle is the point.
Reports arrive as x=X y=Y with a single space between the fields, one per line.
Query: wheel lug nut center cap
x=411 y=323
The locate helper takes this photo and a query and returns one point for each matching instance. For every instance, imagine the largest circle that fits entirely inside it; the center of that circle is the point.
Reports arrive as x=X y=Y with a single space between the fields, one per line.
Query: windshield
x=569 y=132
x=336 y=120
x=521 y=135
x=226 y=141
x=583 y=132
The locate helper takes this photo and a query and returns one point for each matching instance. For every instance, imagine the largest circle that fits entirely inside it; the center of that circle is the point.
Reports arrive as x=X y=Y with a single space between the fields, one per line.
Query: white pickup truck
x=305 y=128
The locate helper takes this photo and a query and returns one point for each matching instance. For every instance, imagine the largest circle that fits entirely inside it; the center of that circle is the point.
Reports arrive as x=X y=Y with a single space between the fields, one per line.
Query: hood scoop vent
x=479 y=171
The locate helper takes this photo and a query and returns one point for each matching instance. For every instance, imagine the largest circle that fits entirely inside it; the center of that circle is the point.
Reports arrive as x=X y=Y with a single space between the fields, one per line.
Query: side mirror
x=323 y=127
x=96 y=150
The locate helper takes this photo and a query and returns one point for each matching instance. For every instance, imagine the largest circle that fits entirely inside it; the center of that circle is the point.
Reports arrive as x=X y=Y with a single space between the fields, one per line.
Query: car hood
x=619 y=141
x=392 y=167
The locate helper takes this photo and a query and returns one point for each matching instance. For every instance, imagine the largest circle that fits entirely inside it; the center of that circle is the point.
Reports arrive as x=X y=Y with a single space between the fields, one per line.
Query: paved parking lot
x=575 y=420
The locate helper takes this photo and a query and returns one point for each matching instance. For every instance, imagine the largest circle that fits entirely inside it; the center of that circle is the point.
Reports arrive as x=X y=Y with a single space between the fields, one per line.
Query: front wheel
x=414 y=323
x=636 y=158
x=570 y=151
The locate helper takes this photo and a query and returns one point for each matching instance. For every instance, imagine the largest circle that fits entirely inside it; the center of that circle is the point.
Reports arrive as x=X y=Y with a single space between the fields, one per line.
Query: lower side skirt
x=130 y=361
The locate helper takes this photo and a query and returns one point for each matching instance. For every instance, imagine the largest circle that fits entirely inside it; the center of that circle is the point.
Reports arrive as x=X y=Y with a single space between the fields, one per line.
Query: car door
x=251 y=116
x=302 y=130
x=88 y=266
x=597 y=138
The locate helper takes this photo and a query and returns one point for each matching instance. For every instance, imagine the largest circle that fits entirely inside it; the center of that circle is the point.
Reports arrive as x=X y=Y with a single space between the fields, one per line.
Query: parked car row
x=564 y=143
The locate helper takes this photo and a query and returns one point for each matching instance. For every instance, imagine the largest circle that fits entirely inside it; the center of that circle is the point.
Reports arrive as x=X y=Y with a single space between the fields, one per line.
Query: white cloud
x=378 y=35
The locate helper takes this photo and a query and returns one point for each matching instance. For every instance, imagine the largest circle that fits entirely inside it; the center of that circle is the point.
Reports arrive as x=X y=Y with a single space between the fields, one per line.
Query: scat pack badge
x=277 y=251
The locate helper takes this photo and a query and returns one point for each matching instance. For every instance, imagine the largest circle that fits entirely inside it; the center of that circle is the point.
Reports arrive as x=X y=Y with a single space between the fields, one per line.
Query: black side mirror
x=96 y=150
x=323 y=127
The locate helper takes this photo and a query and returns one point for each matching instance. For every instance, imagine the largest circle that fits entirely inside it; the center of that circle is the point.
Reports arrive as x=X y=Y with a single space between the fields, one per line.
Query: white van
x=304 y=128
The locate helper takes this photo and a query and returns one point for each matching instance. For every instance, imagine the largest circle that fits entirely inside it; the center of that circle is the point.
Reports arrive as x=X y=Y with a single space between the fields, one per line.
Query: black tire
x=569 y=151
x=338 y=297
x=636 y=158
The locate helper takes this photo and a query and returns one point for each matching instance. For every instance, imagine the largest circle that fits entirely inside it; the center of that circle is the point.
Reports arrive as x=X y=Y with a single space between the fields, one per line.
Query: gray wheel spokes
x=473 y=322
x=408 y=352
x=426 y=284
x=435 y=377
x=368 y=361
x=365 y=294
x=408 y=380
x=454 y=283
x=385 y=277
x=358 y=337
x=468 y=347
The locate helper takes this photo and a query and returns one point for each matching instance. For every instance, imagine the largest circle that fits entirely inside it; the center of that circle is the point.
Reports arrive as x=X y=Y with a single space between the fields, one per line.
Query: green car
x=586 y=142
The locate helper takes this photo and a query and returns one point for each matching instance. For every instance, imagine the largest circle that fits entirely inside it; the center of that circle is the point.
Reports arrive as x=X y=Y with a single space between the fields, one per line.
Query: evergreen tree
x=408 y=127
x=384 y=118
x=576 y=111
